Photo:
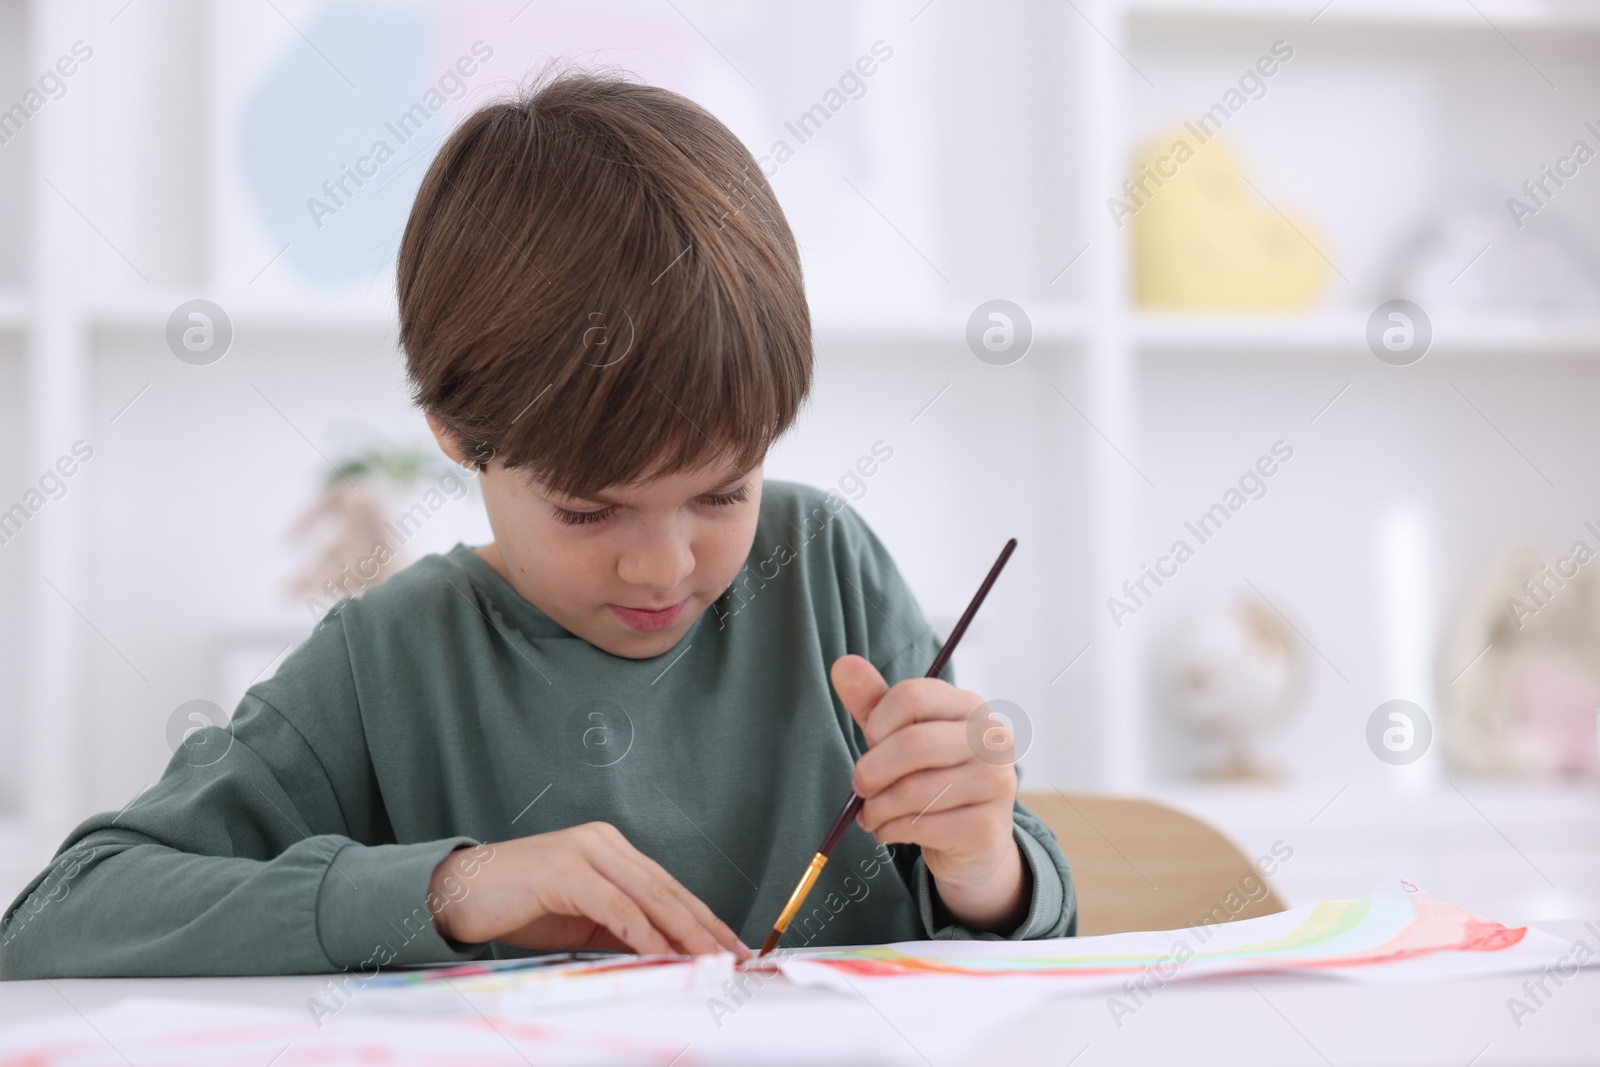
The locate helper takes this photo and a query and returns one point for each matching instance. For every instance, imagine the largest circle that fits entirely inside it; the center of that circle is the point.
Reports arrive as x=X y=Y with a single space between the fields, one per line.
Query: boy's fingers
x=860 y=688
x=921 y=700
x=670 y=915
x=720 y=931
x=657 y=893
x=964 y=829
x=920 y=746
x=684 y=937
x=924 y=794
x=676 y=910
x=606 y=941
x=601 y=900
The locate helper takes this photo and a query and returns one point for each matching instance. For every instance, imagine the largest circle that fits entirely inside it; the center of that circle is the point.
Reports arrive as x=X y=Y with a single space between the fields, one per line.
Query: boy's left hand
x=924 y=784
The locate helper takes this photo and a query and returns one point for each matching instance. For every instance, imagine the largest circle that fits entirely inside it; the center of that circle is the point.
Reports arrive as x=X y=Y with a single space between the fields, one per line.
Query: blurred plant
x=362 y=547
x=401 y=468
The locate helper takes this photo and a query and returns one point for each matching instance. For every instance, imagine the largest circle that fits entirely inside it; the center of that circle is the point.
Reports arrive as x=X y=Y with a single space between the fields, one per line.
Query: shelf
x=1489 y=15
x=933 y=324
x=313 y=317
x=1248 y=333
x=936 y=324
x=1511 y=336
x=1507 y=336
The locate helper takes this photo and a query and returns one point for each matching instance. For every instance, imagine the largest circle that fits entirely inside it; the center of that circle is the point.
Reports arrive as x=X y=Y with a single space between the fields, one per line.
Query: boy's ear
x=448 y=441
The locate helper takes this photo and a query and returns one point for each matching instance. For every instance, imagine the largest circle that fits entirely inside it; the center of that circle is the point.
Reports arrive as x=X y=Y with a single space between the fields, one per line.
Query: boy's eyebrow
x=730 y=483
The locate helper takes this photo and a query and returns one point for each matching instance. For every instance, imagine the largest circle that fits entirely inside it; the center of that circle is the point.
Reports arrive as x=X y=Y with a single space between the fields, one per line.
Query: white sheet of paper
x=923 y=1002
x=1396 y=933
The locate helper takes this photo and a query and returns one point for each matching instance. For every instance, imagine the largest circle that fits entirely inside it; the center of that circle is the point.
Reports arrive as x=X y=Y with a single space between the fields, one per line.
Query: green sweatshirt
x=442 y=709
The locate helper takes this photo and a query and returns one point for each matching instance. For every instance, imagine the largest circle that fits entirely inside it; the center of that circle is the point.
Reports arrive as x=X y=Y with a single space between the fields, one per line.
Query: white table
x=1237 y=1022
x=1284 y=1021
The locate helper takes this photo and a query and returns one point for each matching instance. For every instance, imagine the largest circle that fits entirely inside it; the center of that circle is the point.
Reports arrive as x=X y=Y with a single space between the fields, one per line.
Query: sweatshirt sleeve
x=259 y=851
x=901 y=644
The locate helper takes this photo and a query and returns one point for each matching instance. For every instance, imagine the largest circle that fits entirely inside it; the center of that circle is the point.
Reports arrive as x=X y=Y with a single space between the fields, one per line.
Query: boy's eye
x=579 y=518
x=737 y=496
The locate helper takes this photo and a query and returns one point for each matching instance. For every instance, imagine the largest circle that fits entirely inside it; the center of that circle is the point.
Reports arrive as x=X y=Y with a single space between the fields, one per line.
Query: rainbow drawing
x=1396 y=932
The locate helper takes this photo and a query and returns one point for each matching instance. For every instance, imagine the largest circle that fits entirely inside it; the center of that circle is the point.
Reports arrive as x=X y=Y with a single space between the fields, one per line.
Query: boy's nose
x=658 y=564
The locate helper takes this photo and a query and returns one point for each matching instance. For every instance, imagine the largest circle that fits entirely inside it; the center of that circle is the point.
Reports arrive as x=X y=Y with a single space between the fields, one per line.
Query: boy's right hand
x=585 y=887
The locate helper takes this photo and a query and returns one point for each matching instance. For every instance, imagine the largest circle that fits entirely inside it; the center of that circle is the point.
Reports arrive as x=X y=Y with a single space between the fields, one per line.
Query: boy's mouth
x=646 y=621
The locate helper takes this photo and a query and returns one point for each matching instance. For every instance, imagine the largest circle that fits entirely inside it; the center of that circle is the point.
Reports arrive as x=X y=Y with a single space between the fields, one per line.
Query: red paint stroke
x=1452 y=930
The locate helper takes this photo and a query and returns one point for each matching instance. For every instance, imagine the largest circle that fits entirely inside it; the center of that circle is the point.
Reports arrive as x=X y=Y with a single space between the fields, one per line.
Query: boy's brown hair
x=597 y=286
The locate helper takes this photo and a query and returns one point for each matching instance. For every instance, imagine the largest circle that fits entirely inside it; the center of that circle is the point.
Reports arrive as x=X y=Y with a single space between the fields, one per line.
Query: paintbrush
x=853 y=807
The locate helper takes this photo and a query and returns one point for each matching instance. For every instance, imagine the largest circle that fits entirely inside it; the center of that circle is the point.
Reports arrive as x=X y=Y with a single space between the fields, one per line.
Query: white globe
x=1231 y=669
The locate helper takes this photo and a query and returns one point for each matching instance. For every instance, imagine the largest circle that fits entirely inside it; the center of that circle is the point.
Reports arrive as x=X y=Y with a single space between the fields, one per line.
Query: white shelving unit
x=1140 y=380
x=1483 y=336
x=1180 y=390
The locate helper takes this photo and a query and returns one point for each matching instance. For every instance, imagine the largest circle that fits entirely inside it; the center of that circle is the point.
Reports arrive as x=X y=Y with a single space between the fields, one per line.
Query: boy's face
x=631 y=570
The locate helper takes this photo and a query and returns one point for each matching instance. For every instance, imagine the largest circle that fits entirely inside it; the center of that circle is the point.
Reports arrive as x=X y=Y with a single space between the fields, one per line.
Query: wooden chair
x=1139 y=865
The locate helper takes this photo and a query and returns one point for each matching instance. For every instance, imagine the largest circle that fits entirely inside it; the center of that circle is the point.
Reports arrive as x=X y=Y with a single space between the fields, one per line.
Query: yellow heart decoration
x=1201 y=240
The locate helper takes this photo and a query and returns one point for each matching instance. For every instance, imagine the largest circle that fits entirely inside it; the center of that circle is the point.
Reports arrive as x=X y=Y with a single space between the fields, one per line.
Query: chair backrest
x=1140 y=865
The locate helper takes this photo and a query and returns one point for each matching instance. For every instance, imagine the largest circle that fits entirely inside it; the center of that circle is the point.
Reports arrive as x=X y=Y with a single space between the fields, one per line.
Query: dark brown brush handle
x=853 y=807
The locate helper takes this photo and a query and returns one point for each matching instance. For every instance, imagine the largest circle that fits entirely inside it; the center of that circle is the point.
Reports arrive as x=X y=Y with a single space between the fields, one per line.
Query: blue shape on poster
x=325 y=164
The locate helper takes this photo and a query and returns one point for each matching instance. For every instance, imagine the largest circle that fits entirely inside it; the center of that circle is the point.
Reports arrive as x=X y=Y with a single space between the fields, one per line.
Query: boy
x=611 y=727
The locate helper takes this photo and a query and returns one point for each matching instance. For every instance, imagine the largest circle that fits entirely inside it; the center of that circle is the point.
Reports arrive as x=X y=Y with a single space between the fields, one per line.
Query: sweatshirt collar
x=515 y=607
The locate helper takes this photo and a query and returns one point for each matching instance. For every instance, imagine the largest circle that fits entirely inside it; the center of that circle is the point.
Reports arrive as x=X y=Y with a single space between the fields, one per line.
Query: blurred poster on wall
x=327 y=114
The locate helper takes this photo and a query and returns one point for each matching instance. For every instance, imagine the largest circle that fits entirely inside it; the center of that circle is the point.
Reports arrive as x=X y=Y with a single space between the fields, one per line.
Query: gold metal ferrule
x=800 y=891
